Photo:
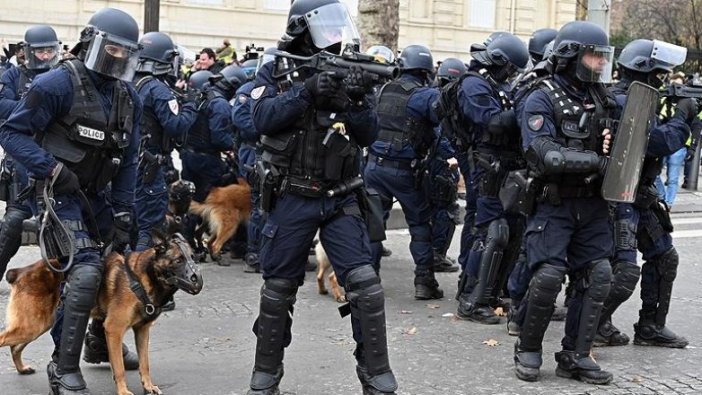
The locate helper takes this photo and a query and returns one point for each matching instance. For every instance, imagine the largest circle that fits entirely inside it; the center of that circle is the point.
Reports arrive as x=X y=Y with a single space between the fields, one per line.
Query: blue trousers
x=151 y=207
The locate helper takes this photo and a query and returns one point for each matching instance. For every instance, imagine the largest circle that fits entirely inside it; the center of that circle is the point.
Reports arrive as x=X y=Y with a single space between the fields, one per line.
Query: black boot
x=426 y=287
x=67 y=383
x=367 y=302
x=273 y=333
x=251 y=263
x=581 y=367
x=444 y=264
x=609 y=335
x=527 y=363
x=470 y=311
x=648 y=333
x=513 y=327
x=95 y=349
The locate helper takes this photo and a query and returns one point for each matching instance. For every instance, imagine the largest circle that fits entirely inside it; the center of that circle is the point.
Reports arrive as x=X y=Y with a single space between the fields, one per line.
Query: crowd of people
x=529 y=127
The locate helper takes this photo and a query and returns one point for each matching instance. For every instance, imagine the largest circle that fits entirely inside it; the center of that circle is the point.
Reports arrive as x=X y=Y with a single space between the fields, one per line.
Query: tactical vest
x=310 y=150
x=151 y=126
x=508 y=140
x=397 y=128
x=199 y=138
x=90 y=143
x=24 y=82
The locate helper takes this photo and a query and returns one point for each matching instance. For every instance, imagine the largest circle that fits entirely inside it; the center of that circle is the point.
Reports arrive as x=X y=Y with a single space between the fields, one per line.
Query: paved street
x=206 y=346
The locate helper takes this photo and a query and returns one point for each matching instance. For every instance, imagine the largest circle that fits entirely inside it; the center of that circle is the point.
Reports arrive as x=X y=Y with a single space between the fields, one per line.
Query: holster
x=5 y=182
x=150 y=165
x=54 y=238
x=662 y=212
x=517 y=194
x=491 y=182
x=371 y=206
x=443 y=189
x=419 y=172
x=270 y=179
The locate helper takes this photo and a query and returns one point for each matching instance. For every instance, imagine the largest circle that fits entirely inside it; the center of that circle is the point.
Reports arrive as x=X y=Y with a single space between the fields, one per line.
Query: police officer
x=396 y=166
x=42 y=48
x=295 y=114
x=645 y=224
x=564 y=142
x=210 y=136
x=85 y=119
x=495 y=133
x=443 y=182
x=247 y=155
x=163 y=121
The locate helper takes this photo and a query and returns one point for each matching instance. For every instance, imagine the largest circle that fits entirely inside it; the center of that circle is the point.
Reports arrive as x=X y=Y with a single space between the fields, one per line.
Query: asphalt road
x=206 y=345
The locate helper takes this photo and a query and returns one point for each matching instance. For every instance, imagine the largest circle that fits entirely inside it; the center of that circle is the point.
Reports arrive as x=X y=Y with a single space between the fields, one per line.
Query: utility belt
x=553 y=193
x=317 y=189
x=400 y=164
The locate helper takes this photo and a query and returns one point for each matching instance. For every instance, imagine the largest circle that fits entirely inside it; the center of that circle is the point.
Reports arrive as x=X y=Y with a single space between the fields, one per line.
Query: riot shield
x=626 y=160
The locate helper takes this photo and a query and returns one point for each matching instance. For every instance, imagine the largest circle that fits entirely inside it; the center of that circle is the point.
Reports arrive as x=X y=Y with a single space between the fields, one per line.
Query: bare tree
x=379 y=22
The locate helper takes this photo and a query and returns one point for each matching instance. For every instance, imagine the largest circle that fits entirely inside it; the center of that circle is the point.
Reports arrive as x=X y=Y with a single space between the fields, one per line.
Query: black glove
x=195 y=97
x=689 y=154
x=121 y=230
x=322 y=84
x=358 y=83
x=687 y=109
x=64 y=181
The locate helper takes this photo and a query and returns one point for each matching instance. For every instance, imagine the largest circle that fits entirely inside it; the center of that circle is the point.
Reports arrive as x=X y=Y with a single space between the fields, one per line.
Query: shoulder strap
x=142 y=81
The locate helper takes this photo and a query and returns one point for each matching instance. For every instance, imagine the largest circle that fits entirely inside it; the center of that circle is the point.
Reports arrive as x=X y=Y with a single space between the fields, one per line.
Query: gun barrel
x=381 y=70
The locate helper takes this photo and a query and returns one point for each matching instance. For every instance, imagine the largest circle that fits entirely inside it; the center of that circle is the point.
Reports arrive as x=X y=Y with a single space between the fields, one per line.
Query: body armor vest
x=150 y=125
x=24 y=82
x=90 y=143
x=310 y=150
x=199 y=138
x=508 y=140
x=397 y=128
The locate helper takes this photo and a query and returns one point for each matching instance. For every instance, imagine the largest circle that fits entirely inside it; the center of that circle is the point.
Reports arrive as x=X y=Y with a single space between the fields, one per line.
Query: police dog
x=180 y=195
x=324 y=266
x=224 y=209
x=160 y=271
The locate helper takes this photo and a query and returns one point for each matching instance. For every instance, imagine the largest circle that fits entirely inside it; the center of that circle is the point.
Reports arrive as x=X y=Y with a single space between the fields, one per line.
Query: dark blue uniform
x=391 y=167
x=243 y=122
x=210 y=135
x=442 y=192
x=164 y=120
x=50 y=98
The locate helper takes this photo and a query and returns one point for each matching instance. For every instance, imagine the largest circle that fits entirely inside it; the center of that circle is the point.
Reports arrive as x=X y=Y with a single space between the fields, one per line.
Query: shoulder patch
x=258 y=92
x=173 y=106
x=536 y=122
x=242 y=99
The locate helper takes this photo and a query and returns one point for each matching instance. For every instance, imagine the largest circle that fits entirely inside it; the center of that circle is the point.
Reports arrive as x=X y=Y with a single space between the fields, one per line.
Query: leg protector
x=625 y=275
x=543 y=290
x=367 y=301
x=596 y=286
x=490 y=263
x=11 y=235
x=273 y=332
x=667 y=266
x=81 y=293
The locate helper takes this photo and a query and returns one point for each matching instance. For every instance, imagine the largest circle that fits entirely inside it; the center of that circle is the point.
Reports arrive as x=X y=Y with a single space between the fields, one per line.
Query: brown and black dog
x=324 y=266
x=161 y=271
x=224 y=209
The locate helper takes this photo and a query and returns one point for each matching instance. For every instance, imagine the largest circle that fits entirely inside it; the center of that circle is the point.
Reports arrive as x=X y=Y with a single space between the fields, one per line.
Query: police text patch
x=90 y=133
x=536 y=122
x=258 y=92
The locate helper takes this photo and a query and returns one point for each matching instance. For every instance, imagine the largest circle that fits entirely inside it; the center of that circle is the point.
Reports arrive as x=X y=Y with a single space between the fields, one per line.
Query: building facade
x=448 y=27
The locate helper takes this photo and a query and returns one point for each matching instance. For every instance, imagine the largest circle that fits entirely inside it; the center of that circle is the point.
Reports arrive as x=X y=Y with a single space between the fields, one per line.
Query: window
x=482 y=13
x=279 y=5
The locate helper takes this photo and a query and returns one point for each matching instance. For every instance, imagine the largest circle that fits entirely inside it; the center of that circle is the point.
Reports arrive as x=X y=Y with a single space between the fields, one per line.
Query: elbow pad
x=571 y=161
x=503 y=122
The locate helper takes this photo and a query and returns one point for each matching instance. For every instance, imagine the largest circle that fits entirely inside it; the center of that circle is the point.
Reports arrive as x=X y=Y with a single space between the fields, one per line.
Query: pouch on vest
x=279 y=149
x=339 y=157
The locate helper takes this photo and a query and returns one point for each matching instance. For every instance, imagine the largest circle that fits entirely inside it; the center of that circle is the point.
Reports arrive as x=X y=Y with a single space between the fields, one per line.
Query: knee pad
x=363 y=285
x=625 y=275
x=667 y=264
x=599 y=279
x=82 y=287
x=546 y=284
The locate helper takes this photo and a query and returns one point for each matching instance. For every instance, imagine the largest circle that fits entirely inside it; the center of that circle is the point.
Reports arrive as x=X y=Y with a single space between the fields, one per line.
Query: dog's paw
x=341 y=298
x=153 y=391
x=323 y=291
x=26 y=369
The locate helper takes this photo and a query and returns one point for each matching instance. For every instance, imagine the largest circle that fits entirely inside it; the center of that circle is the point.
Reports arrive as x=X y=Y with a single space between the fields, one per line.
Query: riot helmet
x=648 y=60
x=416 y=57
x=229 y=80
x=268 y=56
x=538 y=42
x=449 y=70
x=41 y=48
x=159 y=55
x=582 y=49
x=382 y=54
x=503 y=57
x=320 y=25
x=198 y=80
x=109 y=44
x=249 y=67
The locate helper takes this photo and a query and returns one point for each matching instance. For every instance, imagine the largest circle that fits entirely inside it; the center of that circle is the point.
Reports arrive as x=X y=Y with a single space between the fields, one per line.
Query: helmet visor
x=42 y=56
x=667 y=54
x=595 y=63
x=331 y=24
x=112 y=56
